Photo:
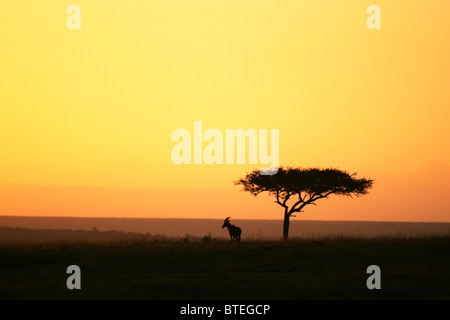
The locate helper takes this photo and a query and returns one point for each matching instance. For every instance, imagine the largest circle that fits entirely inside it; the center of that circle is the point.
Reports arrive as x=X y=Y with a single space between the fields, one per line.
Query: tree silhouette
x=295 y=188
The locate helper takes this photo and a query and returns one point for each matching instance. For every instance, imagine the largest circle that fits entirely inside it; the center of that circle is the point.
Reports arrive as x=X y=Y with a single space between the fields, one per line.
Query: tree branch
x=285 y=198
x=278 y=199
x=316 y=196
x=311 y=200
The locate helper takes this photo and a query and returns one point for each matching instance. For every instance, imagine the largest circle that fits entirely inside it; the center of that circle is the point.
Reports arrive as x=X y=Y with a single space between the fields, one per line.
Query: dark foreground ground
x=328 y=268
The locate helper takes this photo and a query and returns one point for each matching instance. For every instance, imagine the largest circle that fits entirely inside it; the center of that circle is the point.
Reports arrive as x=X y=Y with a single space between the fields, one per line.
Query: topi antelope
x=235 y=232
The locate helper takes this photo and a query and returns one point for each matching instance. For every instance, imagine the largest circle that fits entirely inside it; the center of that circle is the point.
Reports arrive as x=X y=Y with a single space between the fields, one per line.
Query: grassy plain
x=141 y=268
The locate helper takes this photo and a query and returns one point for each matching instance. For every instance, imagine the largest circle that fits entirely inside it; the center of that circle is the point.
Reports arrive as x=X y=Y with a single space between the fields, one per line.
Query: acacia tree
x=295 y=188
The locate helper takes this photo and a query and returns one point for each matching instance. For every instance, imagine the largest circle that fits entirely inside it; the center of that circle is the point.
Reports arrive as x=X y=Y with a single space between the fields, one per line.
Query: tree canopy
x=303 y=186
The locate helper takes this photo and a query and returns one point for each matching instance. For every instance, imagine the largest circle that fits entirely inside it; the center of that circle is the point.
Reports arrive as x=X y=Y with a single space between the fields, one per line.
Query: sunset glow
x=86 y=115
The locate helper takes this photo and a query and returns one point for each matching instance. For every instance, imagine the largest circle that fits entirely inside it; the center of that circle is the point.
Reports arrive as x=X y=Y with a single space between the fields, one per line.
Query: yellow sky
x=96 y=107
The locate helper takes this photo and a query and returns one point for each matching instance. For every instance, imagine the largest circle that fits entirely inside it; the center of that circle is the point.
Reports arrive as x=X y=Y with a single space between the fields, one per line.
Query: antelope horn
x=227 y=218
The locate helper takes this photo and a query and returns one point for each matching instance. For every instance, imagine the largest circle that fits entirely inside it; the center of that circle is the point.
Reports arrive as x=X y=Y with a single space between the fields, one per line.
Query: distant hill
x=120 y=228
x=15 y=235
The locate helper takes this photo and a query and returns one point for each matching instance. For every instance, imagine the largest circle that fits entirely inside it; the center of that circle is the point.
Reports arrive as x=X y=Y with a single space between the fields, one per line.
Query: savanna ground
x=325 y=268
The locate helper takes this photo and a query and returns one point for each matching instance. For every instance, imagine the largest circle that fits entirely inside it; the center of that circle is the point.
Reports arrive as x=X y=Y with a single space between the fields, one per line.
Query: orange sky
x=86 y=115
x=419 y=196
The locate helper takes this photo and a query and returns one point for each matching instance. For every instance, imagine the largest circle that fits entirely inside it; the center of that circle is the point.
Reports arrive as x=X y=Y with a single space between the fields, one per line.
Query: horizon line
x=184 y=218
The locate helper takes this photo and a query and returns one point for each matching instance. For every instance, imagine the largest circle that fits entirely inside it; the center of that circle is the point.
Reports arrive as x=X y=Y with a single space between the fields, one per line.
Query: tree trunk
x=286 y=227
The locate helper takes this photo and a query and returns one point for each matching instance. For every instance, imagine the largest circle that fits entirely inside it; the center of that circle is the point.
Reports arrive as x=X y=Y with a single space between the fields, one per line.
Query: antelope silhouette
x=235 y=232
